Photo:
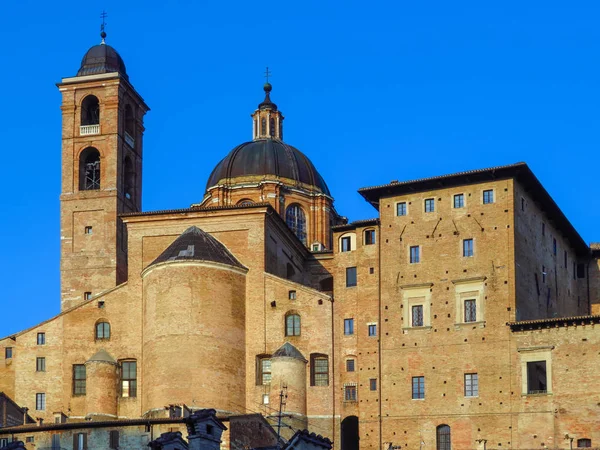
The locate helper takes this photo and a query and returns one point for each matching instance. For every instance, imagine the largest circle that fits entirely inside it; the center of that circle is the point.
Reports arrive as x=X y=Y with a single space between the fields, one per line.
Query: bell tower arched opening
x=89 y=169
x=90 y=111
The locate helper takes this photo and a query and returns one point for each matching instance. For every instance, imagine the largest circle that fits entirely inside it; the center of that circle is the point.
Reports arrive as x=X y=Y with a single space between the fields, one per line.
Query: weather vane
x=267 y=74
x=102 y=32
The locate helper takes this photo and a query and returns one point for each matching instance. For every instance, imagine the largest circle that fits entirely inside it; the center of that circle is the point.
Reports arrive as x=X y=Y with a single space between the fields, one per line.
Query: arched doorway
x=350 y=433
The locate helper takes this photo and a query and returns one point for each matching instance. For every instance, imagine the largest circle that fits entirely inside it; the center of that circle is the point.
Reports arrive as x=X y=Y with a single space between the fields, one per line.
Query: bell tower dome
x=102 y=131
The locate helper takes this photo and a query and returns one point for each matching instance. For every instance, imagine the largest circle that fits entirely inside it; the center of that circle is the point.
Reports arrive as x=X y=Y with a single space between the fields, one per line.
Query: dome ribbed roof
x=197 y=245
x=271 y=159
x=102 y=58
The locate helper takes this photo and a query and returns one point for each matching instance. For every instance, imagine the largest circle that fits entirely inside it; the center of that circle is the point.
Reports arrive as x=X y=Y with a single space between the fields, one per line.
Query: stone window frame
x=260 y=372
x=483 y=192
x=353 y=398
x=469 y=289
x=369 y=325
x=533 y=354
x=415 y=295
x=405 y=209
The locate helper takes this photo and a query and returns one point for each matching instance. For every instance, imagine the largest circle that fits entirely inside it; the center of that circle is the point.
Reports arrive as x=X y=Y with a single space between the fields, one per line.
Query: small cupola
x=267 y=120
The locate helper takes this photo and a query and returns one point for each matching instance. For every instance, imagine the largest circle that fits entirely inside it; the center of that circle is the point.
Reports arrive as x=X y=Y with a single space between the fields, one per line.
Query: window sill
x=478 y=324
x=536 y=394
x=419 y=399
x=423 y=328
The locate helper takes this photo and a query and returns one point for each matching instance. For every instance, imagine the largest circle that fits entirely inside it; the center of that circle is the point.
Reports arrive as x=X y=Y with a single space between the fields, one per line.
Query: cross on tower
x=267 y=74
x=103 y=16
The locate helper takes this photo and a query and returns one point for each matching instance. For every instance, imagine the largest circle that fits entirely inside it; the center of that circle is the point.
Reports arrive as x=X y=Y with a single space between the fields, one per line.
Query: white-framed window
x=414 y=254
x=488 y=196
x=41 y=339
x=458 y=201
x=40 y=401
x=429 y=205
x=401 y=209
x=372 y=329
x=468 y=248
x=350 y=393
x=471 y=385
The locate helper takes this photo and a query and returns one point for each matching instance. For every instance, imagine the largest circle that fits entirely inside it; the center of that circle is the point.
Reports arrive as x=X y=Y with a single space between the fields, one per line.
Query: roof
x=102 y=356
x=195 y=209
x=519 y=171
x=166 y=438
x=554 y=322
x=102 y=59
x=273 y=160
x=355 y=224
x=305 y=435
x=288 y=350
x=197 y=245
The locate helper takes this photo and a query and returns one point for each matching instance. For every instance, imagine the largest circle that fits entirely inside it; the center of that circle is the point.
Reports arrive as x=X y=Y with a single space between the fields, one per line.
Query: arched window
x=263 y=126
x=245 y=202
x=296 y=220
x=129 y=378
x=272 y=127
x=90 y=111
x=292 y=324
x=103 y=330
x=584 y=443
x=89 y=169
x=128 y=178
x=443 y=437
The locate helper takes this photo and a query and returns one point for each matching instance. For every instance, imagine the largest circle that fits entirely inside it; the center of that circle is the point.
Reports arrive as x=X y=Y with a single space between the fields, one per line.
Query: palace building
x=465 y=314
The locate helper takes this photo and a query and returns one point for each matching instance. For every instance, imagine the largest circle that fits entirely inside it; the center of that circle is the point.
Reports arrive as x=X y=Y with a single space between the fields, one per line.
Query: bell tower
x=102 y=133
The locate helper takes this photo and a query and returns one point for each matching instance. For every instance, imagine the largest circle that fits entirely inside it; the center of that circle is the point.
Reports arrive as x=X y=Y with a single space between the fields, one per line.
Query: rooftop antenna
x=103 y=16
x=282 y=402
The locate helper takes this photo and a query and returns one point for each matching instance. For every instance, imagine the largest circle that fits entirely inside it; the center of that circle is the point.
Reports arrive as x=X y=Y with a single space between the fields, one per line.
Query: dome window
x=90 y=116
x=272 y=127
x=263 y=126
x=296 y=220
x=89 y=169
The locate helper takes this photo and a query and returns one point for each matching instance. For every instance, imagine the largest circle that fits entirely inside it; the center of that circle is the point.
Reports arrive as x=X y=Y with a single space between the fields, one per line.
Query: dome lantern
x=267 y=121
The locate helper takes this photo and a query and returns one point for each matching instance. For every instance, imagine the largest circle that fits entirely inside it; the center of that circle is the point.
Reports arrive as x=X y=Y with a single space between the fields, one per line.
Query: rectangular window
x=543 y=274
x=320 y=370
x=348 y=327
x=459 y=201
x=56 y=442
x=29 y=439
x=467 y=247
x=543 y=229
x=471 y=385
x=584 y=443
x=346 y=244
x=40 y=402
x=263 y=364
x=88 y=230
x=350 y=276
x=292 y=295
x=8 y=352
x=566 y=259
x=80 y=441
x=129 y=379
x=87 y=295
x=79 y=379
x=114 y=439
x=3 y=442
x=429 y=205
x=470 y=311
x=536 y=377
x=554 y=246
x=349 y=365
x=488 y=196
x=372 y=330
x=401 y=209
x=522 y=204
x=415 y=254
x=416 y=312
x=350 y=393
x=418 y=387
x=373 y=384
x=369 y=237
x=580 y=271
x=41 y=339
x=40 y=364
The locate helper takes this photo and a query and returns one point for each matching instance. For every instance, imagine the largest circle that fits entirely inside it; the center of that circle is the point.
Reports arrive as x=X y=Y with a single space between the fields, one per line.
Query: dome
x=102 y=59
x=271 y=159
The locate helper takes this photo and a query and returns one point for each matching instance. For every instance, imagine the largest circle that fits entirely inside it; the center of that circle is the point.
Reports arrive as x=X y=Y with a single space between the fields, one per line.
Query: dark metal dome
x=102 y=59
x=271 y=159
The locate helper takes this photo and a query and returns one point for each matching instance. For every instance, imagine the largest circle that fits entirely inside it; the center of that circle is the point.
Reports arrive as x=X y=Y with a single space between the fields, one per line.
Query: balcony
x=87 y=130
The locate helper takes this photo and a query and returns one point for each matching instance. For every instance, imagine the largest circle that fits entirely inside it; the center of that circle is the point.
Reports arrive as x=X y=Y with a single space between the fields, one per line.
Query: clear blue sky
x=371 y=91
